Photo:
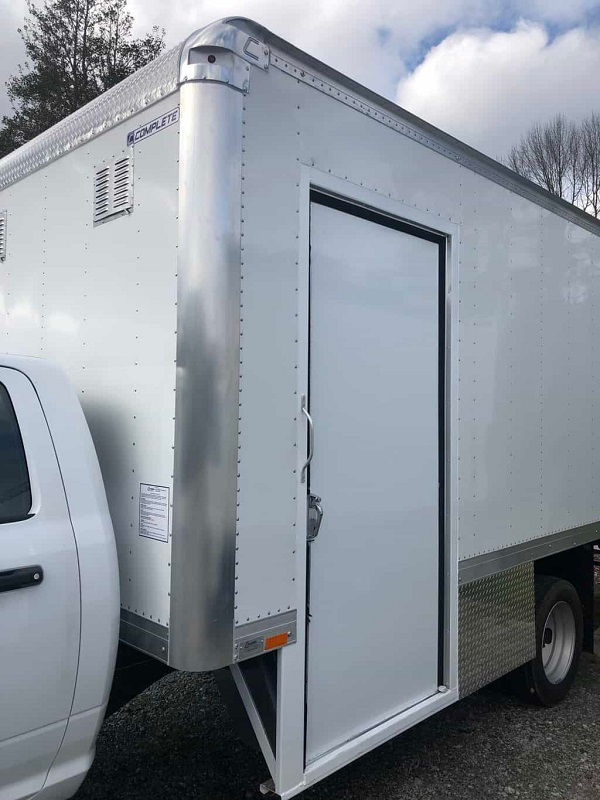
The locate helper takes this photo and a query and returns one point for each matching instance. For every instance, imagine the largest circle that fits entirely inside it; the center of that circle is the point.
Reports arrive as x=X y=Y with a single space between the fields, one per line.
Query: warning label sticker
x=154 y=511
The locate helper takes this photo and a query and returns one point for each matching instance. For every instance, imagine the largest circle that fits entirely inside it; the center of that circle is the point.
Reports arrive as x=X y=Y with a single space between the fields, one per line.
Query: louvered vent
x=113 y=189
x=2 y=235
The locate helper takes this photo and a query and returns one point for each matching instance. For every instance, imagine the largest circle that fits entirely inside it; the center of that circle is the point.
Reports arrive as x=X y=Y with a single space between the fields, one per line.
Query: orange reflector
x=276 y=641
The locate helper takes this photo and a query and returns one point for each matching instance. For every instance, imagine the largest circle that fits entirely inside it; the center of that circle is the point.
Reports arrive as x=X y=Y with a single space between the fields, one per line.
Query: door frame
x=360 y=211
x=291 y=774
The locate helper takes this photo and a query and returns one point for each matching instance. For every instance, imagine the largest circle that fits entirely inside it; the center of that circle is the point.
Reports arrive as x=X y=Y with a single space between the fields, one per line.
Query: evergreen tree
x=75 y=50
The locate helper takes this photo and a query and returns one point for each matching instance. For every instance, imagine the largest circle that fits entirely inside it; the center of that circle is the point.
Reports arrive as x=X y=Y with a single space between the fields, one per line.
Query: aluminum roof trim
x=462 y=153
x=140 y=90
x=162 y=77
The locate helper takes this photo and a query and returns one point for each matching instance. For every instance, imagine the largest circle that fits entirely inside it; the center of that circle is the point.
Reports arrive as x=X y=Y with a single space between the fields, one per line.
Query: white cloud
x=347 y=39
x=487 y=87
x=559 y=11
x=481 y=85
x=344 y=33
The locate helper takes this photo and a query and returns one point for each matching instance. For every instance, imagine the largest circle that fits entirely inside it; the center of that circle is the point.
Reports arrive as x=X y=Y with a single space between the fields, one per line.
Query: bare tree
x=564 y=158
x=590 y=146
x=550 y=155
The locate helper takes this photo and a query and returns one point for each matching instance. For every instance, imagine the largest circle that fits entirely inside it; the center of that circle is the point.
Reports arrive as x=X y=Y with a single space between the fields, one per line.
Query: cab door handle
x=20 y=578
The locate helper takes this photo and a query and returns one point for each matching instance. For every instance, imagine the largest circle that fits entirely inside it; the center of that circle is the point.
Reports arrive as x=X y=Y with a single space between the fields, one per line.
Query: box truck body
x=287 y=303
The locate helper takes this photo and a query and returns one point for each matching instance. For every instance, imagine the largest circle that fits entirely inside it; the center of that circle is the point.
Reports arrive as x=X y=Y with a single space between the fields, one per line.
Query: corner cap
x=226 y=36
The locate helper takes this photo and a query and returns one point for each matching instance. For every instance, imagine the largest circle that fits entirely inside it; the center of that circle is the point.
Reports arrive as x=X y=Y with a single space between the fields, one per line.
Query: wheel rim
x=558 y=642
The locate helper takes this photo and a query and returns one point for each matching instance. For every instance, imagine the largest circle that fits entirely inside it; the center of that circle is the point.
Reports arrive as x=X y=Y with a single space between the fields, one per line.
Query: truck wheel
x=547 y=678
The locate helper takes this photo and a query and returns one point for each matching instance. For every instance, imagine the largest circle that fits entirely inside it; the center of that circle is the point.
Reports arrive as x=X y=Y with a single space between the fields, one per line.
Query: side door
x=39 y=593
x=375 y=396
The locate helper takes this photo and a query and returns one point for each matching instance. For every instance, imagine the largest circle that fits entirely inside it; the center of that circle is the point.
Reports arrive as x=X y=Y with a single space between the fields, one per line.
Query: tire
x=546 y=679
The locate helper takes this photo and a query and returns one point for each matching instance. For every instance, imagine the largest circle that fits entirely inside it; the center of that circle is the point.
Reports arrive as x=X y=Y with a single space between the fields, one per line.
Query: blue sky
x=482 y=70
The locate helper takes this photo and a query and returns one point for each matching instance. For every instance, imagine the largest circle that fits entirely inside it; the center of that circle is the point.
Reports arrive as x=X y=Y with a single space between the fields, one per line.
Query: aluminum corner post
x=244 y=39
x=207 y=383
x=222 y=53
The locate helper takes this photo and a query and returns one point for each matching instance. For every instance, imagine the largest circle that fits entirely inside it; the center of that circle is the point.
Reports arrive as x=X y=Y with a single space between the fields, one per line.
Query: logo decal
x=157 y=125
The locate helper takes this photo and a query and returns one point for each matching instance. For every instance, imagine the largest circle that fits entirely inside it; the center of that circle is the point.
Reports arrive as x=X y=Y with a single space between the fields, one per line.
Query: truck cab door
x=39 y=593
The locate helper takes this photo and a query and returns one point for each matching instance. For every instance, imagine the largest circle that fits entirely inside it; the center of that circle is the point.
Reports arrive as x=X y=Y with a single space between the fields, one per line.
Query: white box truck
x=342 y=376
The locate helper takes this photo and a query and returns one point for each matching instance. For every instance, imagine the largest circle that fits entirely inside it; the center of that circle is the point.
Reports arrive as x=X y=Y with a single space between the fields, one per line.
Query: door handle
x=311 y=439
x=20 y=578
x=315 y=517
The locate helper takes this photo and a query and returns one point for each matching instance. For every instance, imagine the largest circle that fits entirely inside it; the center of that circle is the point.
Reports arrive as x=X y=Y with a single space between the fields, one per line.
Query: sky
x=482 y=70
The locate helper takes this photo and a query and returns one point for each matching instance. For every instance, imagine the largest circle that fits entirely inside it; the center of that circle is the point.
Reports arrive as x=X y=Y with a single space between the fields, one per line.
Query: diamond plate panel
x=3 y=235
x=496 y=626
x=143 y=88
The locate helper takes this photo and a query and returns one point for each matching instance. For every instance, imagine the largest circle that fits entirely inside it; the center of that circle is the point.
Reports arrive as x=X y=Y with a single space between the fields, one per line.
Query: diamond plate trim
x=3 y=220
x=145 y=87
x=496 y=626
x=142 y=89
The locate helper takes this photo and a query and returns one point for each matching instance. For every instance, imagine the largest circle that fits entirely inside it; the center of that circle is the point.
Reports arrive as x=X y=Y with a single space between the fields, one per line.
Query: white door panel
x=39 y=624
x=374 y=378
x=24 y=760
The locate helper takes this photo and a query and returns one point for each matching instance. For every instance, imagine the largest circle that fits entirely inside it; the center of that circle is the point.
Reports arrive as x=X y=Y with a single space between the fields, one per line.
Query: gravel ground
x=175 y=741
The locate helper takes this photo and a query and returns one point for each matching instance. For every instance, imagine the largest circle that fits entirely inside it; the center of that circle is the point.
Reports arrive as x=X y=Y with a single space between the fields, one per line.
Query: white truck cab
x=59 y=593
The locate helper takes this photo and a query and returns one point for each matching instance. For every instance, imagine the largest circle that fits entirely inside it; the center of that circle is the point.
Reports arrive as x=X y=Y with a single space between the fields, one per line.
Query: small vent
x=113 y=189
x=3 y=217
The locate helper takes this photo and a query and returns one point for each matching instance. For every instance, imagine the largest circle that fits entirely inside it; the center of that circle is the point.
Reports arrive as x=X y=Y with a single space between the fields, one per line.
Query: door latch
x=315 y=517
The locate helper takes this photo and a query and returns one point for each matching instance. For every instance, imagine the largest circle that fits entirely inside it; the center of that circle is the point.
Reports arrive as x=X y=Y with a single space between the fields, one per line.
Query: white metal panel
x=374 y=400
x=499 y=241
x=269 y=400
x=505 y=400
x=21 y=272
x=557 y=424
x=520 y=348
x=484 y=454
x=526 y=376
x=500 y=387
x=131 y=337
x=593 y=295
x=569 y=388
x=338 y=140
x=101 y=301
x=582 y=276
